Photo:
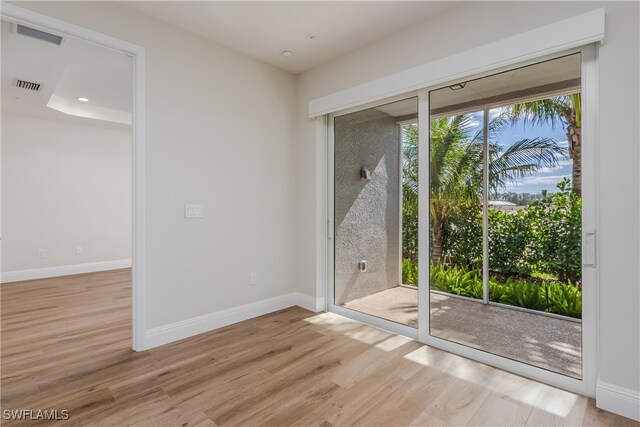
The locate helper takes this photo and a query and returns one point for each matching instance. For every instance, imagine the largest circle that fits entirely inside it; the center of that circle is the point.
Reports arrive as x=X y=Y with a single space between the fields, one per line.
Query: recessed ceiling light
x=287 y=53
x=82 y=99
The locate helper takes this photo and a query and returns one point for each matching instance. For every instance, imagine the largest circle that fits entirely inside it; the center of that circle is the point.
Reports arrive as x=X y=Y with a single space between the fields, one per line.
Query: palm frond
x=523 y=158
x=544 y=111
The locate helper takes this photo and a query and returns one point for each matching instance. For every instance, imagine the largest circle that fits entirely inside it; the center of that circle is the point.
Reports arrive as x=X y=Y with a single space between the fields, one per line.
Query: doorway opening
x=108 y=112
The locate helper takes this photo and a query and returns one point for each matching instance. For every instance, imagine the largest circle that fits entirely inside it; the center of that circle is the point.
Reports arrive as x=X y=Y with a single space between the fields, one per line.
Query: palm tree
x=566 y=110
x=456 y=166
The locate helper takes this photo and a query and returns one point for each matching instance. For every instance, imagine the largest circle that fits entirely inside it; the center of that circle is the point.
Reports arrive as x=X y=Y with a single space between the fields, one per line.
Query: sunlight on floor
x=547 y=342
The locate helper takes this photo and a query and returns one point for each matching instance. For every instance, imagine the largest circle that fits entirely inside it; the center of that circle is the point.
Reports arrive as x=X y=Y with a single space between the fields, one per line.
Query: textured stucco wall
x=366 y=211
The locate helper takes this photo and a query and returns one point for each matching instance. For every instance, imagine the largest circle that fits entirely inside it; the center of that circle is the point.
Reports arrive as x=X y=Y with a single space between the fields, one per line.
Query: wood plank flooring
x=66 y=345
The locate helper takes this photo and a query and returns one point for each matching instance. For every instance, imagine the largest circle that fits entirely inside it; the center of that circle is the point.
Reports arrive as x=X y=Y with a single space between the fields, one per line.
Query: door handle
x=589 y=255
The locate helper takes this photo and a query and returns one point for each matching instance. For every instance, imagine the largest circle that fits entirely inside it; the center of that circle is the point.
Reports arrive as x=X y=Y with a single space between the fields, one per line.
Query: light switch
x=193 y=211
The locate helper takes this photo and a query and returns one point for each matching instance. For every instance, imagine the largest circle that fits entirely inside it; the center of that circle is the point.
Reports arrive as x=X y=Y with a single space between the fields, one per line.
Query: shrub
x=556 y=228
x=463 y=236
x=456 y=280
x=552 y=297
x=510 y=235
x=564 y=299
x=543 y=239
x=526 y=295
x=409 y=224
x=409 y=272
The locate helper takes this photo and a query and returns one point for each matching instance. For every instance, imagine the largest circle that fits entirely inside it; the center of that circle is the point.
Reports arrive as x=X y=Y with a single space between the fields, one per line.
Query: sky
x=544 y=179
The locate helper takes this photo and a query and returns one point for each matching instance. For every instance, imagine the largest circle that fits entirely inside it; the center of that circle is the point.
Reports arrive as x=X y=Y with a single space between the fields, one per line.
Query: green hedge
x=541 y=239
x=552 y=297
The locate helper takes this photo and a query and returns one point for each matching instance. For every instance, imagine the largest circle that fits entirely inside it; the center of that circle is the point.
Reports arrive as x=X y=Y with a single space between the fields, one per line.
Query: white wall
x=220 y=131
x=618 y=175
x=64 y=184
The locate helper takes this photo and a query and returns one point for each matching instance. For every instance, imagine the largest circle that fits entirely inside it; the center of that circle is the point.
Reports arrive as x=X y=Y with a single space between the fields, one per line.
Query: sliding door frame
x=587 y=384
x=589 y=88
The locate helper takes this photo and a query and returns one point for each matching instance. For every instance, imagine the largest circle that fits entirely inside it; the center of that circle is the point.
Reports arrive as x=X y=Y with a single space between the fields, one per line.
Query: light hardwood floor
x=66 y=345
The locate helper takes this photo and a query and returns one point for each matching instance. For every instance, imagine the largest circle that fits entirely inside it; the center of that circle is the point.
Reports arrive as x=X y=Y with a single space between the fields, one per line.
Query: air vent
x=38 y=34
x=23 y=84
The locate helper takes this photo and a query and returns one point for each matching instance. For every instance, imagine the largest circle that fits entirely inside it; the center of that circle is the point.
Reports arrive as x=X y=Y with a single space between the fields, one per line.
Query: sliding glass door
x=457 y=217
x=506 y=215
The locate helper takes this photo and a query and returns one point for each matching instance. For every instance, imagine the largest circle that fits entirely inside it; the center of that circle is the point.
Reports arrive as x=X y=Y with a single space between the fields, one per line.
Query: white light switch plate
x=193 y=211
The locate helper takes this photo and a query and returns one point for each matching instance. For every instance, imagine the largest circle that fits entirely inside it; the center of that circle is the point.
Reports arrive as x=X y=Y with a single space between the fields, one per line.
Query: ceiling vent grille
x=38 y=34
x=23 y=84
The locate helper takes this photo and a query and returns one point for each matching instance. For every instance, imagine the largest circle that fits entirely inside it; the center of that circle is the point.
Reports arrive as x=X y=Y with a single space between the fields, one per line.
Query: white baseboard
x=63 y=270
x=619 y=400
x=197 y=325
x=309 y=303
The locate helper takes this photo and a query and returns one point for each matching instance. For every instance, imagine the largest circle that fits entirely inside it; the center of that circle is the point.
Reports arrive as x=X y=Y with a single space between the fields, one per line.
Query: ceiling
x=66 y=72
x=403 y=108
x=537 y=81
x=316 y=31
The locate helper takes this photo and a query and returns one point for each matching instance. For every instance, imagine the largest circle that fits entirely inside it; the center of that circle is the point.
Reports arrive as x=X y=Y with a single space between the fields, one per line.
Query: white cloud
x=561 y=164
x=544 y=180
x=548 y=180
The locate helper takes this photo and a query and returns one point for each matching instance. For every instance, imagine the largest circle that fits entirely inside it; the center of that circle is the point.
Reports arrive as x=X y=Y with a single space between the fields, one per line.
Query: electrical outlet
x=78 y=249
x=40 y=253
x=253 y=279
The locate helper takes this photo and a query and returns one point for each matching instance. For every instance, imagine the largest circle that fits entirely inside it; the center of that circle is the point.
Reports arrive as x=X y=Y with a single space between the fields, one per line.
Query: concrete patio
x=547 y=342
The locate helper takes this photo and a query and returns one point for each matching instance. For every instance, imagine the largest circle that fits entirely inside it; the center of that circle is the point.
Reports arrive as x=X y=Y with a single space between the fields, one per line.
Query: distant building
x=503 y=205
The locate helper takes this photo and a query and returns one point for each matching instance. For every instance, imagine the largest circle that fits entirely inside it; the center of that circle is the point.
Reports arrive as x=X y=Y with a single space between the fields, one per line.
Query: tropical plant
x=541 y=240
x=565 y=110
x=552 y=297
x=410 y=193
x=556 y=233
x=510 y=238
x=524 y=294
x=564 y=299
x=456 y=280
x=463 y=236
x=455 y=168
x=409 y=272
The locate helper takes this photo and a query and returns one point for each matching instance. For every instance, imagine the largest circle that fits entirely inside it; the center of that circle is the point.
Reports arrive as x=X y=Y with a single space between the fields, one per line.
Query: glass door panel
x=455 y=223
x=506 y=214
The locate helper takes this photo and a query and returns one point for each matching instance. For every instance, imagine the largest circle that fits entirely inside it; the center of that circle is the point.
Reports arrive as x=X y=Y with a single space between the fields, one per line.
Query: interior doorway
x=42 y=28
